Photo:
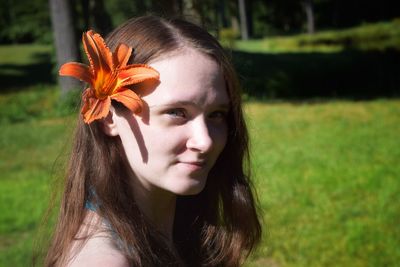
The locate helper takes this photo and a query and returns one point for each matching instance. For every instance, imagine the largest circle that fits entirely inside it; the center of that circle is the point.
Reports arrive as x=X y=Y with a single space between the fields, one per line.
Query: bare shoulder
x=98 y=250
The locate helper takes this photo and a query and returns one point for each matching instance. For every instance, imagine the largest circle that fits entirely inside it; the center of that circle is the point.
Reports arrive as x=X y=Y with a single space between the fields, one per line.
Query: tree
x=309 y=10
x=65 y=41
x=24 y=21
x=244 y=30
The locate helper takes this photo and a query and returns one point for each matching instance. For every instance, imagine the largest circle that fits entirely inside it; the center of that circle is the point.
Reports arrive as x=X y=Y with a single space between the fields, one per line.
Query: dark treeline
x=352 y=73
x=27 y=21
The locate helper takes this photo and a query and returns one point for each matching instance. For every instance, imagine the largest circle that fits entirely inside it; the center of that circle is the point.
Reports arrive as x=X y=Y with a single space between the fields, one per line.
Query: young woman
x=157 y=174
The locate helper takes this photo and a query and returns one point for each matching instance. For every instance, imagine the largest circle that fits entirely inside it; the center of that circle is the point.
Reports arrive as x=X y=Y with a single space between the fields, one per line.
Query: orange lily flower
x=107 y=76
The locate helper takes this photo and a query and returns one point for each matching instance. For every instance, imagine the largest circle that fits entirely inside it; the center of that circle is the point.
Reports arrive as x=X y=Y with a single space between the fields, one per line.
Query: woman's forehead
x=187 y=61
x=188 y=77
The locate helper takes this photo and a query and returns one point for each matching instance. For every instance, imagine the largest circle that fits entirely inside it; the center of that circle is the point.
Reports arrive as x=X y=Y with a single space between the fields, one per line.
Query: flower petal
x=98 y=53
x=137 y=73
x=130 y=100
x=77 y=70
x=94 y=108
x=121 y=55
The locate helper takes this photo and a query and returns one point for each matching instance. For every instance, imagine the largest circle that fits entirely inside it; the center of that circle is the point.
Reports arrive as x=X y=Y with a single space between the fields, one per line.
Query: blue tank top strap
x=90 y=206
x=94 y=207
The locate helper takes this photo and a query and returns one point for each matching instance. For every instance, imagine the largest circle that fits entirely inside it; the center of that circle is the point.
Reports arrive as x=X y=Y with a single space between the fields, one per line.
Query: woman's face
x=175 y=141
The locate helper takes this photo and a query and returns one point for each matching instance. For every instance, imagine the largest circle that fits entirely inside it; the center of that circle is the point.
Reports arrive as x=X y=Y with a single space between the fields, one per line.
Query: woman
x=156 y=176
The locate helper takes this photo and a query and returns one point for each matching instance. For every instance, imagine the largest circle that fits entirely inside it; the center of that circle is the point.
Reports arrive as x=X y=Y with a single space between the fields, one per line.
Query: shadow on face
x=142 y=89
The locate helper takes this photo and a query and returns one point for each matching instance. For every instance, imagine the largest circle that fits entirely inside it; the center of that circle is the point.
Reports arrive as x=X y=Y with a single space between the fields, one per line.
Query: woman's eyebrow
x=175 y=103
x=189 y=103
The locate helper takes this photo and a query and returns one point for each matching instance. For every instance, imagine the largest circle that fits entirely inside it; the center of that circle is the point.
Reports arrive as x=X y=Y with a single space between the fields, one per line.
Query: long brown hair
x=218 y=227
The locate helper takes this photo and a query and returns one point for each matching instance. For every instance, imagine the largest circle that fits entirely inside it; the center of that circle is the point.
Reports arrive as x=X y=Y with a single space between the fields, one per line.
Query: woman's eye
x=218 y=115
x=177 y=112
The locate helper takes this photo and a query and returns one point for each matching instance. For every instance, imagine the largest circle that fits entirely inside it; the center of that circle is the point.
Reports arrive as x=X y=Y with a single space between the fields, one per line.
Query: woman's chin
x=189 y=189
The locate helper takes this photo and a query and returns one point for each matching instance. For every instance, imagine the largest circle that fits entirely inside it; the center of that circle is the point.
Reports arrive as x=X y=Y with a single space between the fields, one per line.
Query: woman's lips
x=193 y=165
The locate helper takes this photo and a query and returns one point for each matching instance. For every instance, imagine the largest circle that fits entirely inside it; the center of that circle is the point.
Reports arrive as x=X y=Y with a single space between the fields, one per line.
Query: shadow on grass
x=350 y=74
x=21 y=76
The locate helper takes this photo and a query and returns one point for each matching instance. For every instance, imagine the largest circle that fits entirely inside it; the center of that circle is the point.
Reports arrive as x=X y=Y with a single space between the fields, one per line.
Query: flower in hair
x=107 y=76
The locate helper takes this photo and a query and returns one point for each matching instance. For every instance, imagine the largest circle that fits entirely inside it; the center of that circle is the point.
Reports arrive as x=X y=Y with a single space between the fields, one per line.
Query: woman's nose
x=199 y=136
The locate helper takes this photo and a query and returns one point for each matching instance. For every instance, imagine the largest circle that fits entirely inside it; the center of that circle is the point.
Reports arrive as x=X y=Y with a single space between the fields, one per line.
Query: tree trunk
x=65 y=41
x=309 y=10
x=243 y=20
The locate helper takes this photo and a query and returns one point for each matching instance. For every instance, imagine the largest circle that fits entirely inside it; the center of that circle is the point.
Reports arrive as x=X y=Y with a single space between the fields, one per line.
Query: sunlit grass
x=33 y=102
x=376 y=36
x=22 y=54
x=327 y=176
x=27 y=166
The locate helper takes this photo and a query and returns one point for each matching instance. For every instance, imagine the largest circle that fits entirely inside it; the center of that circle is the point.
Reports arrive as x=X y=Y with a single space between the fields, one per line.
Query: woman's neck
x=158 y=206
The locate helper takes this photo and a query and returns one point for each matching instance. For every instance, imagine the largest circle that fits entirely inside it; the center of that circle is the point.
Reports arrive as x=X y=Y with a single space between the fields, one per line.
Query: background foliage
x=26 y=21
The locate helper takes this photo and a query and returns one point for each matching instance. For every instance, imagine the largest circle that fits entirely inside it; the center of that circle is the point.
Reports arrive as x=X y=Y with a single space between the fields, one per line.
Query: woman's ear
x=108 y=124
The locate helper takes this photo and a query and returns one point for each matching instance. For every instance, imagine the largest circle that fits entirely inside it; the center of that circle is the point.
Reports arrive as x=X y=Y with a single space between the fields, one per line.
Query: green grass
x=377 y=36
x=31 y=103
x=357 y=63
x=25 y=66
x=22 y=54
x=328 y=180
x=27 y=164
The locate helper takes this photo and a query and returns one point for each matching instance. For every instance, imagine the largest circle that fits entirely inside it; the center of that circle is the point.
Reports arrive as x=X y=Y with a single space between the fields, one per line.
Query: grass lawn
x=27 y=165
x=328 y=180
x=23 y=66
x=373 y=36
x=22 y=54
x=326 y=174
